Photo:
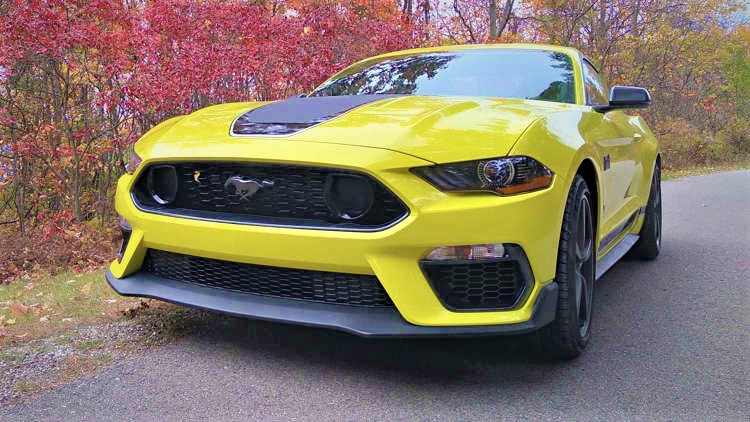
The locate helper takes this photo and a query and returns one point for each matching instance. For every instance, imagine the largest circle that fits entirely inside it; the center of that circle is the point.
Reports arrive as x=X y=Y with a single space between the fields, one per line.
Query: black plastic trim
x=127 y=231
x=513 y=253
x=615 y=254
x=124 y=245
x=366 y=322
x=270 y=221
x=331 y=179
x=620 y=229
x=282 y=222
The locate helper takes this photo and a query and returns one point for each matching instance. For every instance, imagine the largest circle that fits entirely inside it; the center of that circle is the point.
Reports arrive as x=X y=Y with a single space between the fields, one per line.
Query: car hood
x=437 y=129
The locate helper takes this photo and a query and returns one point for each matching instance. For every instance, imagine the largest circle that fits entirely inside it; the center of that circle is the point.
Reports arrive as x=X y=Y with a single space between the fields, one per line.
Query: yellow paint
x=385 y=139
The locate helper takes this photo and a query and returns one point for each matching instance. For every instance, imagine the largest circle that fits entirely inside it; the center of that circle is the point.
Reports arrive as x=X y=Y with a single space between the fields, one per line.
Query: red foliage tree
x=81 y=79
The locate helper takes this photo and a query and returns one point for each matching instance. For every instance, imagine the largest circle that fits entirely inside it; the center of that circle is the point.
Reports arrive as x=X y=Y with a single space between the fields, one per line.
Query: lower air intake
x=287 y=283
x=477 y=286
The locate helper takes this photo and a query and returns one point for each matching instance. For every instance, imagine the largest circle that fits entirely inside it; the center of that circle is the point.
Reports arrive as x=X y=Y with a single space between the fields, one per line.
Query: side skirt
x=615 y=254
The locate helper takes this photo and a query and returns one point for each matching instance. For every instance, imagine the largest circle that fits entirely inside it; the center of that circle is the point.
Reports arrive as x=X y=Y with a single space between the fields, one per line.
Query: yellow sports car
x=451 y=191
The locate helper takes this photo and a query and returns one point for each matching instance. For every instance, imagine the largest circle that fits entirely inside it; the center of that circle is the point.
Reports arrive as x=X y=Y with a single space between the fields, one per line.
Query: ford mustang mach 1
x=451 y=191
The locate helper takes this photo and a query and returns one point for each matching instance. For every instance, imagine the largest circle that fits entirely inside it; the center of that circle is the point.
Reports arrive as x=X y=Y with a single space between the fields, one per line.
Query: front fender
x=557 y=142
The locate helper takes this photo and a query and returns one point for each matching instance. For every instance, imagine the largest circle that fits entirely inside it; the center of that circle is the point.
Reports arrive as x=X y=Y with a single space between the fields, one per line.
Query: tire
x=649 y=242
x=567 y=336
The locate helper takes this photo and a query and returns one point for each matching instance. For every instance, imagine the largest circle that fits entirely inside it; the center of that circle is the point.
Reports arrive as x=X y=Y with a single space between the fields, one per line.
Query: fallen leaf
x=29 y=286
x=44 y=319
x=86 y=289
x=133 y=311
x=2 y=334
x=40 y=294
x=66 y=319
x=10 y=322
x=70 y=282
x=18 y=309
x=22 y=335
x=72 y=233
x=111 y=300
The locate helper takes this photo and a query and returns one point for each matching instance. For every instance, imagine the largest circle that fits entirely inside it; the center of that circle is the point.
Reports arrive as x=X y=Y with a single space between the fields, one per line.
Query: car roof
x=515 y=46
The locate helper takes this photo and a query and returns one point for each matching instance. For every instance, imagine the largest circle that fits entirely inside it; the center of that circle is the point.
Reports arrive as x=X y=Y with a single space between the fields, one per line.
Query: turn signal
x=467 y=252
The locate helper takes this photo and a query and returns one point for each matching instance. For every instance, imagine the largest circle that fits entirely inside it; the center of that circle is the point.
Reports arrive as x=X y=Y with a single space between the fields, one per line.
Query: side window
x=596 y=90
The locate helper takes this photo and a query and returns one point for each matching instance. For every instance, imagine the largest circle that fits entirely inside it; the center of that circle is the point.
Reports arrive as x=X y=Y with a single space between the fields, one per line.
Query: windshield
x=527 y=74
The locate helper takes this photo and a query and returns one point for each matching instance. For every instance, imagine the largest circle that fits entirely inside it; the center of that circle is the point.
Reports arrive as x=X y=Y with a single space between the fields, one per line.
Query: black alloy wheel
x=584 y=264
x=567 y=336
x=648 y=245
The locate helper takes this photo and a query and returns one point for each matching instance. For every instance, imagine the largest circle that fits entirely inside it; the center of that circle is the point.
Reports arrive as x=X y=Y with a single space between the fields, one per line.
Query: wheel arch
x=587 y=170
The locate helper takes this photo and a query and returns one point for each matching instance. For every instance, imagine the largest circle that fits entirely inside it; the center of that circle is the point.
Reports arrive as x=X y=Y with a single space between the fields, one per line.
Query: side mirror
x=621 y=97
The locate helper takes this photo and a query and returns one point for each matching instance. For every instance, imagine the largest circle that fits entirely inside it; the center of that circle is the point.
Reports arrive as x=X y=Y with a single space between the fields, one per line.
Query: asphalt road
x=670 y=343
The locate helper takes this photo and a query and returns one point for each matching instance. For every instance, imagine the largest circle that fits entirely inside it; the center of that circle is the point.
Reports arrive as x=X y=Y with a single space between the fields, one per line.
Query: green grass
x=58 y=303
x=692 y=171
x=89 y=344
x=104 y=357
x=67 y=291
x=10 y=357
x=64 y=339
x=23 y=386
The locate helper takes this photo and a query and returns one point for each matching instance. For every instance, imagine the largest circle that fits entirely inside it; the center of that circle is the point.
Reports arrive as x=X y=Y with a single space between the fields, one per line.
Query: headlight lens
x=131 y=159
x=504 y=176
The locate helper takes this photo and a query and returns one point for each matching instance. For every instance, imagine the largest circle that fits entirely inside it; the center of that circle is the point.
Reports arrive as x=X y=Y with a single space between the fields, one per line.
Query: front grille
x=291 y=196
x=287 y=283
x=477 y=286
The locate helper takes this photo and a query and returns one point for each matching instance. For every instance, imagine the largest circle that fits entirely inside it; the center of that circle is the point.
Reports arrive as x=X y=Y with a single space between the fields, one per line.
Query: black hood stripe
x=292 y=115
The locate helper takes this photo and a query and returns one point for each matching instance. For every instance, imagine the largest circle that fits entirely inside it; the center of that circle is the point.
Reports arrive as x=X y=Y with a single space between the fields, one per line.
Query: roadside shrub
x=80 y=247
x=685 y=146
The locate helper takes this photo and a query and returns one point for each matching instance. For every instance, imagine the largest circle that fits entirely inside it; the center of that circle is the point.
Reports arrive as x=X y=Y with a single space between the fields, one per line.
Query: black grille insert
x=480 y=285
x=287 y=283
x=286 y=195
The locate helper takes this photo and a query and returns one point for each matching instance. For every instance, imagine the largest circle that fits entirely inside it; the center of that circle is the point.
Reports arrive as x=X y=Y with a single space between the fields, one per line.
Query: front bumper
x=531 y=221
x=356 y=320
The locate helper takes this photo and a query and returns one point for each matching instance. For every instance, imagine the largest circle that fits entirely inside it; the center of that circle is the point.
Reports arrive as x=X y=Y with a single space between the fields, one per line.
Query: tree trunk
x=19 y=195
x=492 y=10
x=407 y=9
x=507 y=13
x=426 y=8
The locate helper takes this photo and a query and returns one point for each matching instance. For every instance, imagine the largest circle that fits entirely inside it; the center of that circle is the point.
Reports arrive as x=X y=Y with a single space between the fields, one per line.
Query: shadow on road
x=431 y=361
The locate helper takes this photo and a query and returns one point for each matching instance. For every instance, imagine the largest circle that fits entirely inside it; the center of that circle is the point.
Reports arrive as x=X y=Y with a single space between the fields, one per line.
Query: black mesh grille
x=293 y=196
x=487 y=285
x=288 y=283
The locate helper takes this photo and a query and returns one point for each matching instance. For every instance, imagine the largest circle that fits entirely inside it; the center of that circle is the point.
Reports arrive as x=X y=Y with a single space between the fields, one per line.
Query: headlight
x=130 y=159
x=504 y=176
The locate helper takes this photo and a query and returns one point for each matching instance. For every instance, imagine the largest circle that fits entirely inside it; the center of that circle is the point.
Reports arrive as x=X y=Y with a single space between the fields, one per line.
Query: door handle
x=637 y=137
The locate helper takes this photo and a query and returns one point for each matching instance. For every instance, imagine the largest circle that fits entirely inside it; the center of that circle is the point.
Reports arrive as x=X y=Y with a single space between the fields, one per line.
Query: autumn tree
x=80 y=80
